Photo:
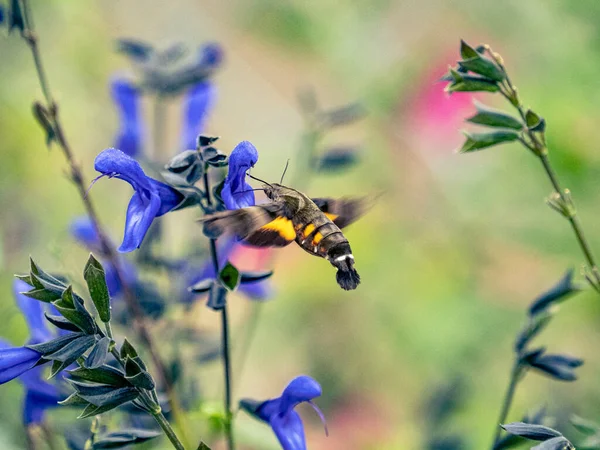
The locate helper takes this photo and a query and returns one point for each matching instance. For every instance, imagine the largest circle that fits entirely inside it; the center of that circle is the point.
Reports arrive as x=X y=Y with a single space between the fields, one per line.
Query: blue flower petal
x=199 y=101
x=127 y=99
x=289 y=430
x=84 y=231
x=14 y=361
x=301 y=389
x=140 y=214
x=237 y=193
x=33 y=311
x=151 y=198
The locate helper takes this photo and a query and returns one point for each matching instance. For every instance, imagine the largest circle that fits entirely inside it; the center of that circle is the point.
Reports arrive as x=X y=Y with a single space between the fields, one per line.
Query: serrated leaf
x=95 y=277
x=99 y=354
x=229 y=277
x=127 y=350
x=494 y=118
x=531 y=431
x=479 y=141
x=102 y=375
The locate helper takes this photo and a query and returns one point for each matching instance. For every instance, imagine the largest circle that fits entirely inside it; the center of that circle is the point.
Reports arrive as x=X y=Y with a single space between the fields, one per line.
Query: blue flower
x=127 y=98
x=84 y=231
x=1 y=14
x=151 y=198
x=21 y=361
x=199 y=100
x=237 y=193
x=258 y=290
x=280 y=415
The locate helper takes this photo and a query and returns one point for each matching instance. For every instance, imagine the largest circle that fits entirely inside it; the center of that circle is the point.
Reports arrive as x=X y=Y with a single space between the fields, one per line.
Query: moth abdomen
x=340 y=256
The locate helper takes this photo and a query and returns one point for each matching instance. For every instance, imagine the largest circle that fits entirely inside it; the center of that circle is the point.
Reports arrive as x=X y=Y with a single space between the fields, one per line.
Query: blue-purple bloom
x=237 y=193
x=151 y=198
x=84 y=231
x=211 y=55
x=127 y=99
x=199 y=100
x=21 y=361
x=280 y=415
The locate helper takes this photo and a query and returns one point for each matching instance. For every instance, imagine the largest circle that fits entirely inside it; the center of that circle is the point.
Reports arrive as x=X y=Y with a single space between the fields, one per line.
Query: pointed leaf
x=494 y=118
x=230 y=277
x=95 y=278
x=479 y=141
x=102 y=375
x=531 y=431
x=127 y=350
x=99 y=354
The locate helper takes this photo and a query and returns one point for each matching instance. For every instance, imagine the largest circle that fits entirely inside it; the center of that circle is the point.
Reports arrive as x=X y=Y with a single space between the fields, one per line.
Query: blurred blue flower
x=280 y=415
x=199 y=100
x=127 y=99
x=84 y=231
x=237 y=193
x=1 y=14
x=20 y=361
x=211 y=55
x=257 y=290
x=151 y=198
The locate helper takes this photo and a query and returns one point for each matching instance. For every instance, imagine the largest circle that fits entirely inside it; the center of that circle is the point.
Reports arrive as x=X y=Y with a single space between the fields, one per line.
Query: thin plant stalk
x=226 y=347
x=507 y=402
x=538 y=146
x=78 y=179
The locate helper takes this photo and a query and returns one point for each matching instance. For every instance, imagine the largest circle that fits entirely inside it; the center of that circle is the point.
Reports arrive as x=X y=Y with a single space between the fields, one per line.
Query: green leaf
x=73 y=400
x=230 y=277
x=43 y=118
x=101 y=404
x=61 y=322
x=481 y=65
x=36 y=270
x=124 y=438
x=73 y=310
x=72 y=350
x=584 y=426
x=127 y=350
x=55 y=344
x=479 y=141
x=137 y=375
x=103 y=375
x=99 y=354
x=494 y=118
x=203 y=446
x=254 y=277
x=94 y=276
x=535 y=122
x=42 y=295
x=470 y=83
x=466 y=51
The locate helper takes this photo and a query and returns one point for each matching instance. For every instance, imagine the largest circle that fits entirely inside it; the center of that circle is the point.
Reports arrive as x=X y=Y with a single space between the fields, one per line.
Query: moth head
x=272 y=190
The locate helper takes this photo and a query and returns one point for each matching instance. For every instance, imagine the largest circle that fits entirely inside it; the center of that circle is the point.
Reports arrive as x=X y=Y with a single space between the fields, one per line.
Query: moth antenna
x=258 y=179
x=250 y=190
x=284 y=170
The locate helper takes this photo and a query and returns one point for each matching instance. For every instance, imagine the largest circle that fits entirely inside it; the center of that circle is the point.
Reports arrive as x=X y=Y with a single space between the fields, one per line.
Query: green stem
x=224 y=333
x=507 y=403
x=166 y=426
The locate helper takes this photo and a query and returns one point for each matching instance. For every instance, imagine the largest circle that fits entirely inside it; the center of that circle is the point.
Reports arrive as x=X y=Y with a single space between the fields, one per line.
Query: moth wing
x=241 y=222
x=343 y=211
x=277 y=233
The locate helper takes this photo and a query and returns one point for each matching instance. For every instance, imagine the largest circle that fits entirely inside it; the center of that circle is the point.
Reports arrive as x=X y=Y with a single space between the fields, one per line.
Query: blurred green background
x=450 y=257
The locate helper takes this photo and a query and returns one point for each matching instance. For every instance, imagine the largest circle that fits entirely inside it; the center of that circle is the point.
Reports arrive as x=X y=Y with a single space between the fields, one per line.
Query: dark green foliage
x=95 y=278
x=230 y=277
x=124 y=438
